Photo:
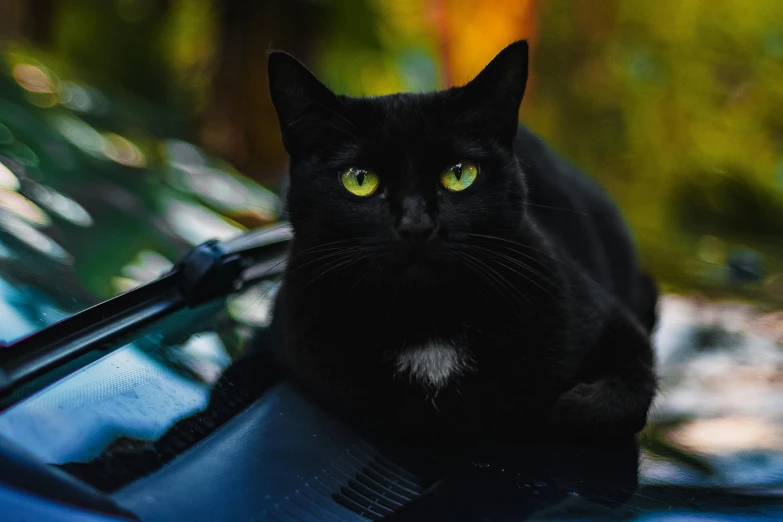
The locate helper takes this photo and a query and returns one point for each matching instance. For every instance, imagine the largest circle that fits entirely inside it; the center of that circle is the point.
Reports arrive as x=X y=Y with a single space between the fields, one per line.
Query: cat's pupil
x=360 y=177
x=458 y=172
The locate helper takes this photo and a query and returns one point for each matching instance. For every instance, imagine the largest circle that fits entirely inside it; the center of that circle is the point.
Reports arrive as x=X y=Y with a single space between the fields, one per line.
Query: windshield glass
x=91 y=203
x=141 y=389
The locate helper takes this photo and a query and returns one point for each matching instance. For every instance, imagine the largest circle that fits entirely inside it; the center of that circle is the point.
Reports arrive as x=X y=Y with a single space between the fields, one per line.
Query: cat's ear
x=498 y=89
x=297 y=95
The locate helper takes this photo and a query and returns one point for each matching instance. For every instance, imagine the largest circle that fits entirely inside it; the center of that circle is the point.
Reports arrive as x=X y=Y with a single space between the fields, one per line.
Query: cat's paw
x=601 y=408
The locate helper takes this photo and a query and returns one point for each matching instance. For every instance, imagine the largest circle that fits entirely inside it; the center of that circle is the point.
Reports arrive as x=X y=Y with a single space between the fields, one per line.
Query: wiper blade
x=211 y=270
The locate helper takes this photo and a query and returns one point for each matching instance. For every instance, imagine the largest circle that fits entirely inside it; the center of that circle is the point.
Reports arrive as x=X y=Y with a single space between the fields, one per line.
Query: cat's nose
x=416 y=224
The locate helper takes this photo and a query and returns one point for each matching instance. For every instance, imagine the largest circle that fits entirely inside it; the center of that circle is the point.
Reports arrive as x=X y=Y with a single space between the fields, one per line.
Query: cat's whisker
x=328 y=244
x=529 y=279
x=498 y=288
x=577 y=270
x=563 y=209
x=478 y=274
x=325 y=258
x=505 y=244
x=359 y=279
x=334 y=266
x=391 y=303
x=265 y=272
x=325 y=253
x=273 y=210
x=329 y=248
x=500 y=283
x=335 y=113
x=492 y=255
x=274 y=285
x=516 y=262
x=337 y=124
x=328 y=261
x=351 y=259
x=324 y=250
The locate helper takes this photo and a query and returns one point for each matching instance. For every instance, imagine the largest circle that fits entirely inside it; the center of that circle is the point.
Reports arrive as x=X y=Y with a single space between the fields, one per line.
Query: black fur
x=530 y=272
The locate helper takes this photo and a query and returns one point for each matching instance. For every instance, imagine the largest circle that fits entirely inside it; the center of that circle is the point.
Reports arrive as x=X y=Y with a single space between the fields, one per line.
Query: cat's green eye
x=460 y=176
x=360 y=182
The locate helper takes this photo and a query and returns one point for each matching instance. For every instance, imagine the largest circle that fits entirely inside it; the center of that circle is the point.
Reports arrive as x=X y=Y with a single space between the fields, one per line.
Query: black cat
x=450 y=275
x=452 y=281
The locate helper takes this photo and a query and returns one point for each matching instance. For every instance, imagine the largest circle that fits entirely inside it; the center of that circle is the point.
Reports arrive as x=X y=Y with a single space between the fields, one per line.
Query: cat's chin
x=418 y=272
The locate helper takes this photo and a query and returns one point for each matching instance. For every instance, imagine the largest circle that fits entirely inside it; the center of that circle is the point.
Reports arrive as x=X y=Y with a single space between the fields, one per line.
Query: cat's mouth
x=417 y=256
x=420 y=268
x=419 y=265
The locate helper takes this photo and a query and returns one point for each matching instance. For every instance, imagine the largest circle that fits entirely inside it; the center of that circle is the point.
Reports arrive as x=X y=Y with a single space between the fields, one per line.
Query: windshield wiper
x=211 y=270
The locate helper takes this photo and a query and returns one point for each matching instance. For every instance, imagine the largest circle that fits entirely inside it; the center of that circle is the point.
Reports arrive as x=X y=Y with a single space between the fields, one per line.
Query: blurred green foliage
x=675 y=106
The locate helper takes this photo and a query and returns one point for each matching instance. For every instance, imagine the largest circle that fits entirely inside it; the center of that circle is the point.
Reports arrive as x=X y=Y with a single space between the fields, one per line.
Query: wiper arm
x=211 y=270
x=216 y=268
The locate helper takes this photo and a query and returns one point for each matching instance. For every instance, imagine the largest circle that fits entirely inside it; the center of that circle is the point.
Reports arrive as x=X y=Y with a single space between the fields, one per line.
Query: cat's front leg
x=615 y=387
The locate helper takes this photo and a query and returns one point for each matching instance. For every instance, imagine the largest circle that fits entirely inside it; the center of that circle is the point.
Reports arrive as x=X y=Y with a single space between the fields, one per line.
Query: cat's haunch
x=449 y=273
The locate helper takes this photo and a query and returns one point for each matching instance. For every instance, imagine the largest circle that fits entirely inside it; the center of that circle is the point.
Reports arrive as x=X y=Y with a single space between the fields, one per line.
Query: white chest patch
x=432 y=364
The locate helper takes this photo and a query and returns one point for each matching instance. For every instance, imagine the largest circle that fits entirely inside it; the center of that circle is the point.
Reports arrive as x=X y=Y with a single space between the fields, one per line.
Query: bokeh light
x=22 y=207
x=34 y=238
x=7 y=178
x=6 y=137
x=196 y=223
x=33 y=79
x=123 y=151
x=60 y=205
x=728 y=434
x=81 y=134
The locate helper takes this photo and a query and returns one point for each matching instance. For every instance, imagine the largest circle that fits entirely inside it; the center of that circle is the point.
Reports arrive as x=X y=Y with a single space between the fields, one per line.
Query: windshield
x=141 y=389
x=92 y=204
